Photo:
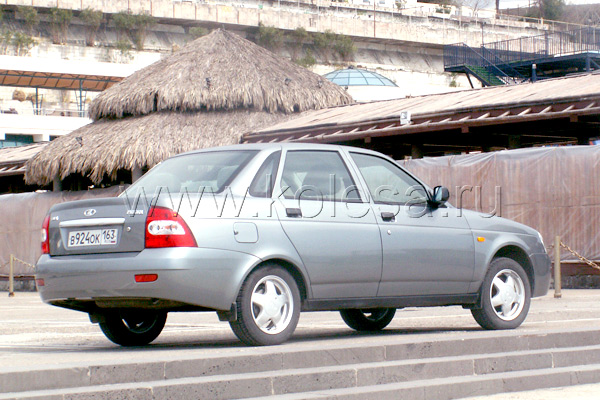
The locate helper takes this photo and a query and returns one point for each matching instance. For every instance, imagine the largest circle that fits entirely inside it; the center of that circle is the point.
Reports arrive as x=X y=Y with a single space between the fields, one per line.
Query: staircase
x=397 y=367
x=485 y=76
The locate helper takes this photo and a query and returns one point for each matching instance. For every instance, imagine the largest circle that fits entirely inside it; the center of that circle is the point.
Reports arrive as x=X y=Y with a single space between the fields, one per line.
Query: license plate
x=96 y=237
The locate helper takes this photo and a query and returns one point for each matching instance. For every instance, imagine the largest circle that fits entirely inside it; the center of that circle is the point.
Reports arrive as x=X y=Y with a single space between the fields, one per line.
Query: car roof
x=280 y=146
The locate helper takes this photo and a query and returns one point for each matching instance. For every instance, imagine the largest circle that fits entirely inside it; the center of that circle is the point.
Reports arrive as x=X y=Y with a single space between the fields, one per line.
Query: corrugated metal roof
x=577 y=95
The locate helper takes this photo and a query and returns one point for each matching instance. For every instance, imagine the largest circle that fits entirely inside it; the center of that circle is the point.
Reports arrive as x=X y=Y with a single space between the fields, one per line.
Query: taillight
x=46 y=235
x=166 y=228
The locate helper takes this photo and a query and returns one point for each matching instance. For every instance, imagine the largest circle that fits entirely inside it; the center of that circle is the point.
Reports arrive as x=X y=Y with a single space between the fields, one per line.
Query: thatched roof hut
x=207 y=94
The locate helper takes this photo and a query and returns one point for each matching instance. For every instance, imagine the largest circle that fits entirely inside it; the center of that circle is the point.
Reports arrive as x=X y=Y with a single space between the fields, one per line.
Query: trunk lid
x=95 y=226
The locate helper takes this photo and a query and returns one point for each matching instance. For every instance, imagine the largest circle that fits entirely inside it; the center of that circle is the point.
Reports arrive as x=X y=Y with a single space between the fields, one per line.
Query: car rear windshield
x=208 y=172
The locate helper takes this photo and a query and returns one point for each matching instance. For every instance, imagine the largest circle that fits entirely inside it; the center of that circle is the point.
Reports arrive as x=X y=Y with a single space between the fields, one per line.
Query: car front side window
x=388 y=183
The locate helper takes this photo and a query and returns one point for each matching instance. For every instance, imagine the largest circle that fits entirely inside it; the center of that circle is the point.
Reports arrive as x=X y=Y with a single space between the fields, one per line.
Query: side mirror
x=440 y=195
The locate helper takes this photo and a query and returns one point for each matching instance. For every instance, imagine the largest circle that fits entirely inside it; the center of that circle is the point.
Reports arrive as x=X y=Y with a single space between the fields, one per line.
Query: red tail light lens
x=166 y=228
x=46 y=235
x=141 y=278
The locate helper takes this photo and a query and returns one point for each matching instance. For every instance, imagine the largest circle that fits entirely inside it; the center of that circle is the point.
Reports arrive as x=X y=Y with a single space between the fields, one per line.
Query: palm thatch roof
x=221 y=71
x=107 y=145
x=207 y=94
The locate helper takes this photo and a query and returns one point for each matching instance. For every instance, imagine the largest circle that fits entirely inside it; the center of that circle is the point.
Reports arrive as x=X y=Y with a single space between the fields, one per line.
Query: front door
x=426 y=250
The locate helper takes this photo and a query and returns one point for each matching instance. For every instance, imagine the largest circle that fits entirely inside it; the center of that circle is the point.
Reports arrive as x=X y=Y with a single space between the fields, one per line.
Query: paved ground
x=35 y=334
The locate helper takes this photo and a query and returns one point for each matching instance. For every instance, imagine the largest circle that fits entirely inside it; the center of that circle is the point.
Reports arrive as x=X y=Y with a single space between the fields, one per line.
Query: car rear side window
x=209 y=172
x=317 y=175
x=388 y=183
x=263 y=182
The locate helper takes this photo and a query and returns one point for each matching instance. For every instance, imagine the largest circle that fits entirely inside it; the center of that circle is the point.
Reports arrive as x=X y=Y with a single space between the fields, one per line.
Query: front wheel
x=268 y=307
x=133 y=327
x=505 y=296
x=368 y=320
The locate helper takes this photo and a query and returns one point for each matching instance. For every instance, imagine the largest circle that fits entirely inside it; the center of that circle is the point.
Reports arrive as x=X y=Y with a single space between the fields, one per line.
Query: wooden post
x=11 y=277
x=416 y=151
x=57 y=184
x=136 y=173
x=557 y=276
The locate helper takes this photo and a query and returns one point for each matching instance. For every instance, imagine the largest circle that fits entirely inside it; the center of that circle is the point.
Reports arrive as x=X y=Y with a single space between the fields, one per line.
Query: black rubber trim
x=388 y=302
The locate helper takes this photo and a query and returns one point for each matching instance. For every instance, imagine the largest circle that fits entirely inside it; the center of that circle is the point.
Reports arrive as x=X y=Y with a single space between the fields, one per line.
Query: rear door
x=331 y=226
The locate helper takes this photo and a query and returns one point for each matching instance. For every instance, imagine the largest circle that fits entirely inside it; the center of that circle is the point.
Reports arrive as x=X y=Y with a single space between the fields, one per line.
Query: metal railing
x=556 y=246
x=530 y=49
x=550 y=44
x=508 y=69
x=11 y=273
x=47 y=111
x=464 y=55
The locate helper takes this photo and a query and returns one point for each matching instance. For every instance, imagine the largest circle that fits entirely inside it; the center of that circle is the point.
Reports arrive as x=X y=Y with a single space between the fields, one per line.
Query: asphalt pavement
x=33 y=334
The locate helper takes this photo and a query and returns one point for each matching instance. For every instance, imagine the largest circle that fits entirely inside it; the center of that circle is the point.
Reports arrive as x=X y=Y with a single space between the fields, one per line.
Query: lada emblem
x=89 y=213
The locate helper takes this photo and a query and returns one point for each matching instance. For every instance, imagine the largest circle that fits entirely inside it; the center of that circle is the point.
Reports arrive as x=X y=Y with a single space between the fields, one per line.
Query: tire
x=134 y=327
x=368 y=320
x=505 y=296
x=268 y=307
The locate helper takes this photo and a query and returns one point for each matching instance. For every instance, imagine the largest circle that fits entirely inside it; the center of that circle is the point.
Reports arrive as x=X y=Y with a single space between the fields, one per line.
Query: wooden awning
x=61 y=74
x=13 y=159
x=552 y=111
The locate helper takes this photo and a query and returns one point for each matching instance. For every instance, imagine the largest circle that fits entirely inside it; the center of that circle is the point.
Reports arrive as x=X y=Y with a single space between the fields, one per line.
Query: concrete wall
x=38 y=126
x=405 y=25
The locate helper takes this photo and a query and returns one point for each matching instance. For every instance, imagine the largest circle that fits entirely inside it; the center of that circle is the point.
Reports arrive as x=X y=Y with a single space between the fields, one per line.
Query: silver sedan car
x=261 y=232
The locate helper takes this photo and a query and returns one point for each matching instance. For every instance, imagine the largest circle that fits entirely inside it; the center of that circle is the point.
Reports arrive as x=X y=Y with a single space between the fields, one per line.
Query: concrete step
x=351 y=370
x=274 y=359
x=459 y=387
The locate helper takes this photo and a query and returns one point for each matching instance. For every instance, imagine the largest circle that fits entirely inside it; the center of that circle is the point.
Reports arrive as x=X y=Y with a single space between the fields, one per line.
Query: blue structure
x=358 y=77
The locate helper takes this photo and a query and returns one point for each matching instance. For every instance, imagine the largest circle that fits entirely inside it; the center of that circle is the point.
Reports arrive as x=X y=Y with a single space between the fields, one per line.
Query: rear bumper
x=542 y=270
x=207 y=278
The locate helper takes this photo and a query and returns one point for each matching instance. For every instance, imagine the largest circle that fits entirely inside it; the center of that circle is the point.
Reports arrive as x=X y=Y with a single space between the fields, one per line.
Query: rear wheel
x=505 y=296
x=268 y=307
x=134 y=327
x=368 y=320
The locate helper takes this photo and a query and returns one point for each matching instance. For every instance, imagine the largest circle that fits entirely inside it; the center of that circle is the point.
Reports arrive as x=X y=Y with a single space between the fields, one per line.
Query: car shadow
x=190 y=341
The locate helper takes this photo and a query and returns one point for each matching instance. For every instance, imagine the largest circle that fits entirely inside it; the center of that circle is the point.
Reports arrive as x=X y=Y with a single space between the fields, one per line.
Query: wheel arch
x=519 y=255
x=291 y=268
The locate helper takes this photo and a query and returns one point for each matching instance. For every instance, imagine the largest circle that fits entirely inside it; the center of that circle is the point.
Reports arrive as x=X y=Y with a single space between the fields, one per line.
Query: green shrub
x=5 y=40
x=298 y=36
x=344 y=46
x=198 y=31
x=22 y=43
x=324 y=40
x=269 y=37
x=30 y=16
x=124 y=46
x=141 y=24
x=308 y=60
x=92 y=19
x=123 y=20
x=136 y=25
x=60 y=19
